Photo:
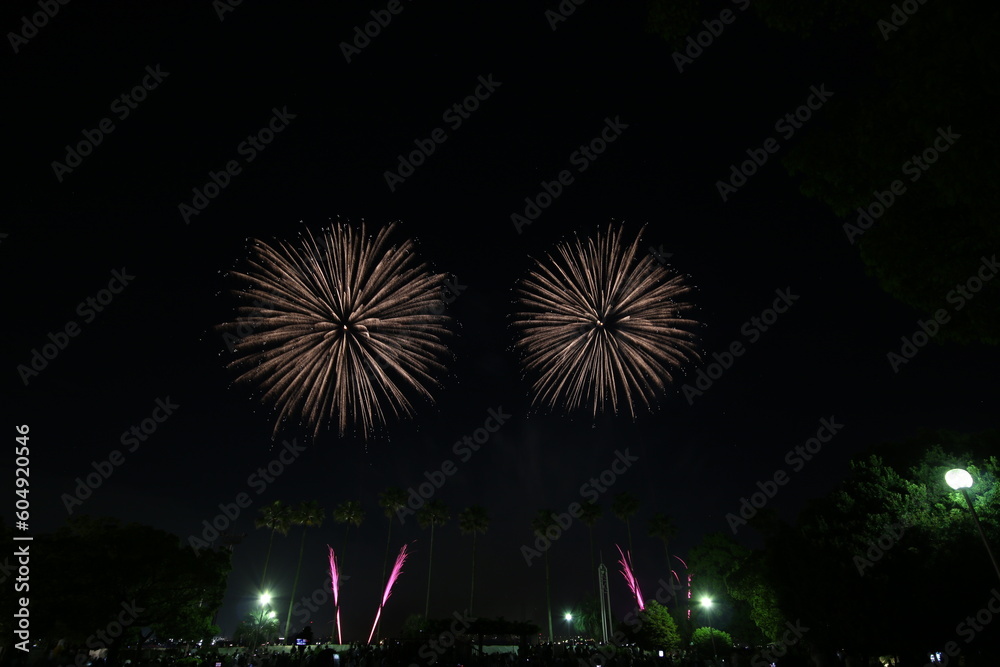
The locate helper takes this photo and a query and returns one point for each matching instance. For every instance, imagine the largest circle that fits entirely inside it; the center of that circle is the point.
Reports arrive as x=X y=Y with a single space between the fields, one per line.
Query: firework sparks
x=342 y=327
x=633 y=583
x=601 y=324
x=397 y=570
x=335 y=585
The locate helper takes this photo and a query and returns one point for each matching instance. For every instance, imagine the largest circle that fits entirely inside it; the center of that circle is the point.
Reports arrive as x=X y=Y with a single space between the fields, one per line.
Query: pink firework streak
x=335 y=585
x=633 y=584
x=396 y=571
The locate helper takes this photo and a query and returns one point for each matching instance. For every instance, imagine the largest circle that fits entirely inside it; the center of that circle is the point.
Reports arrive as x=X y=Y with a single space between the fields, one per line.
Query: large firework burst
x=342 y=327
x=601 y=324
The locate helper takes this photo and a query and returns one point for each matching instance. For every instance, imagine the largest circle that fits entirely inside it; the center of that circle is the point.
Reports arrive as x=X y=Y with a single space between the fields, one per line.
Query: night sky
x=343 y=124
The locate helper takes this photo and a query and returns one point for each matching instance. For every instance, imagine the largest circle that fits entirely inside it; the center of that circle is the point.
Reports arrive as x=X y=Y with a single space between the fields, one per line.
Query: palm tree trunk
x=548 y=595
x=430 y=563
x=291 y=601
x=267 y=560
x=343 y=553
x=592 y=570
x=472 y=587
x=385 y=562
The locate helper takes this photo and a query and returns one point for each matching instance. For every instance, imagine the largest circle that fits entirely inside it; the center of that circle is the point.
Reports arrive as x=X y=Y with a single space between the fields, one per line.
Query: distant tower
x=605 y=601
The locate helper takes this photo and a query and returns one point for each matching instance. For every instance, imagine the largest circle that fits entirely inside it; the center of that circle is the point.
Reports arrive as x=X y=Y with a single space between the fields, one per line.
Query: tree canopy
x=99 y=571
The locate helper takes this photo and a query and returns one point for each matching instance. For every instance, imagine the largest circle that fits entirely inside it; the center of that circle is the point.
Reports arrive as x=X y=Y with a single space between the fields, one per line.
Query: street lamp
x=568 y=617
x=960 y=480
x=264 y=600
x=706 y=602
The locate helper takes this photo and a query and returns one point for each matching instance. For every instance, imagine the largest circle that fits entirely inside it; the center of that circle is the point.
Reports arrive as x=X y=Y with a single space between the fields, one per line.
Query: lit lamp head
x=265 y=599
x=568 y=616
x=706 y=602
x=958 y=479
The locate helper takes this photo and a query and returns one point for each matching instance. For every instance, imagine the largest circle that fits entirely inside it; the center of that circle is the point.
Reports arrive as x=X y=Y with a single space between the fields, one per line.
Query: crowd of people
x=413 y=653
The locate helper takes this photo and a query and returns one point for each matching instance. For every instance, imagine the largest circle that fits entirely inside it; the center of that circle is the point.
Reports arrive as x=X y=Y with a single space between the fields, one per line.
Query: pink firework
x=335 y=585
x=633 y=584
x=397 y=570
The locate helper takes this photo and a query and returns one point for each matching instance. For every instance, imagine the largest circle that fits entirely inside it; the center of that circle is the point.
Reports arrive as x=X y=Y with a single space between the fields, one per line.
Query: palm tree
x=391 y=501
x=432 y=514
x=589 y=514
x=348 y=512
x=307 y=514
x=471 y=521
x=625 y=506
x=275 y=516
x=542 y=520
x=663 y=527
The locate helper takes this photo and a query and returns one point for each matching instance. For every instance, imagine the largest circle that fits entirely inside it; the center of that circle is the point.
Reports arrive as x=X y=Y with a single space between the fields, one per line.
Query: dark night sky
x=825 y=357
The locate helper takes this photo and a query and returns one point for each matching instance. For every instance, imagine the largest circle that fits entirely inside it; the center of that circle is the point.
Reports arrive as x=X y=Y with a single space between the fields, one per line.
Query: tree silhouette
x=625 y=505
x=350 y=513
x=434 y=513
x=277 y=517
x=542 y=520
x=471 y=521
x=308 y=515
x=662 y=527
x=391 y=501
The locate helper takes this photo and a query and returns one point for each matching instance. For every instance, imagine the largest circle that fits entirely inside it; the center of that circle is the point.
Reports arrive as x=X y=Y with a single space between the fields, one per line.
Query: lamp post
x=960 y=480
x=568 y=617
x=706 y=602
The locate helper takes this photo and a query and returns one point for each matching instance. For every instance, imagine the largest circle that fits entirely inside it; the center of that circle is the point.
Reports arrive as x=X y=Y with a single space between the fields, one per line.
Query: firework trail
x=343 y=327
x=335 y=585
x=601 y=324
x=633 y=584
x=397 y=570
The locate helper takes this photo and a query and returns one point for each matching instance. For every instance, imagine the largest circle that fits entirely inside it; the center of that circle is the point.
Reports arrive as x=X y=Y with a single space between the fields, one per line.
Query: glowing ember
x=633 y=584
x=335 y=585
x=397 y=570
